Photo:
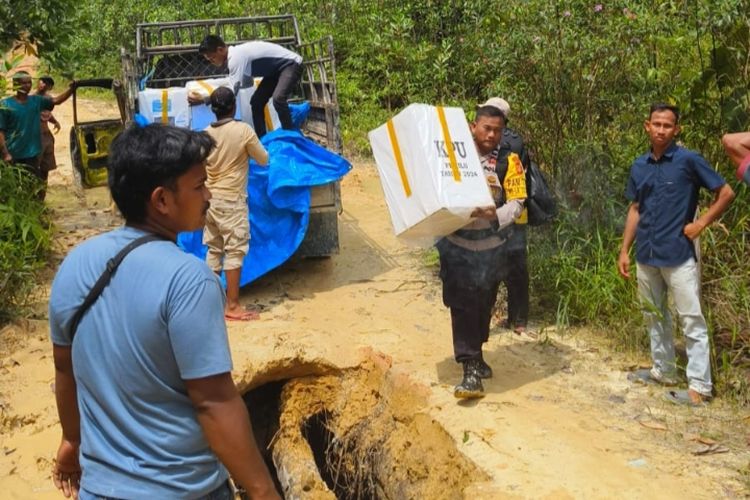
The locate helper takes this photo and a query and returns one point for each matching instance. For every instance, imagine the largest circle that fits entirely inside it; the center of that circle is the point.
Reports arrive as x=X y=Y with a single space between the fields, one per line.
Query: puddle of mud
x=356 y=434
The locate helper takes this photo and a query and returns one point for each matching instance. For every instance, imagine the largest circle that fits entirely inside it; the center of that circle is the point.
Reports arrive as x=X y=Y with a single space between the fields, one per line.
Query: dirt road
x=559 y=420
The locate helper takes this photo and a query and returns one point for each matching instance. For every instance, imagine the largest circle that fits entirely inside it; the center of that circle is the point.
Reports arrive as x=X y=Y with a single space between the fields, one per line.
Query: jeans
x=683 y=282
x=223 y=492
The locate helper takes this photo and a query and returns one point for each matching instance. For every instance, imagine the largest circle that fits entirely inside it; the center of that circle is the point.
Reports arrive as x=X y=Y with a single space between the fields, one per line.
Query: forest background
x=579 y=75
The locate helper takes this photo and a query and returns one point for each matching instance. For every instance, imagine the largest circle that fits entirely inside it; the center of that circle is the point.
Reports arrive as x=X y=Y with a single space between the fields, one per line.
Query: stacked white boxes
x=201 y=115
x=165 y=106
x=430 y=171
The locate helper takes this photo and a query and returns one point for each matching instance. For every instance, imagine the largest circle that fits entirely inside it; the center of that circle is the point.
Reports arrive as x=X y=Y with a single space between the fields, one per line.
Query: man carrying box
x=472 y=258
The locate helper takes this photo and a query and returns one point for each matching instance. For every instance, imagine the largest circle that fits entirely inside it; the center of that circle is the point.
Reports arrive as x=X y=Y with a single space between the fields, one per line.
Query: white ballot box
x=430 y=171
x=204 y=88
x=165 y=106
x=201 y=115
x=246 y=112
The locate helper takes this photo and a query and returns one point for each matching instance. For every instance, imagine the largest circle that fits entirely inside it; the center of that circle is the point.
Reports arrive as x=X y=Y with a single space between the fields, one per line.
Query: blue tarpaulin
x=279 y=200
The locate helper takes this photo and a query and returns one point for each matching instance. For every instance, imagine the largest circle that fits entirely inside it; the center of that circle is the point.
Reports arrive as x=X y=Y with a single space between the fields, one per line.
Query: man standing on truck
x=143 y=381
x=280 y=68
x=20 y=124
x=227 y=231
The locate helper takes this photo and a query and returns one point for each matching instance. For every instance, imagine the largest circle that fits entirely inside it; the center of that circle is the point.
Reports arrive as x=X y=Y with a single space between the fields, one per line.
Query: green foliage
x=39 y=22
x=579 y=75
x=25 y=237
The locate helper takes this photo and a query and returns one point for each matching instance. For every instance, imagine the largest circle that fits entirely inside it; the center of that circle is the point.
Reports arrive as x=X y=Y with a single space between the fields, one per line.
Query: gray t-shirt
x=159 y=322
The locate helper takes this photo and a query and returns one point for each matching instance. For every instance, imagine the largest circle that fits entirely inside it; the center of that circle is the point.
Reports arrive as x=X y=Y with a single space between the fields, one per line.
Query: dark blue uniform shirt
x=666 y=191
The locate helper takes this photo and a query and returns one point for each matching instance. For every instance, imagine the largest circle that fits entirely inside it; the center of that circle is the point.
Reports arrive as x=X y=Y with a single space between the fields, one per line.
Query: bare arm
x=226 y=424
x=737 y=146
x=722 y=198
x=4 y=148
x=54 y=122
x=65 y=95
x=67 y=471
x=628 y=237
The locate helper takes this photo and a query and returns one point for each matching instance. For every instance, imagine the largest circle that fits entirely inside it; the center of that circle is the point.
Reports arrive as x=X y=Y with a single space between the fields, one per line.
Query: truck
x=166 y=55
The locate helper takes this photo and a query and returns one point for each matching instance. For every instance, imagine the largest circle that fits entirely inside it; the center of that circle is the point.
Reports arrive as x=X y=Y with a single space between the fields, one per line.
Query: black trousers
x=470 y=323
x=470 y=283
x=280 y=88
x=517 y=282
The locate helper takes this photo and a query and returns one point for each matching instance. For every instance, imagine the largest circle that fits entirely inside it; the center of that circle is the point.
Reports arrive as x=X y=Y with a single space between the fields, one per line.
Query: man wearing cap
x=471 y=259
x=737 y=146
x=20 y=123
x=280 y=68
x=227 y=231
x=517 y=279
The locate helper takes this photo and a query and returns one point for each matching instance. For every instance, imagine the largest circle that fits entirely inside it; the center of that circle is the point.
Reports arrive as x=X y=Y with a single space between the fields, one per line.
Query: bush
x=25 y=237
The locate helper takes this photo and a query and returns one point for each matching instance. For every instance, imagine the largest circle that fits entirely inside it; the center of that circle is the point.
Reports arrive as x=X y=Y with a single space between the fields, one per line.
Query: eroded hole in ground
x=358 y=434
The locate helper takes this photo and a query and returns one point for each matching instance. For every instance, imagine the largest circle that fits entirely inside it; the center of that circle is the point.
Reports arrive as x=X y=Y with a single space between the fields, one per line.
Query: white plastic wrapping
x=430 y=189
x=200 y=114
x=165 y=106
x=204 y=88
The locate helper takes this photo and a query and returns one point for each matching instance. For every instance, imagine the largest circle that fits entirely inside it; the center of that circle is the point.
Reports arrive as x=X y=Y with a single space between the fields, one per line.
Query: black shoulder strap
x=104 y=279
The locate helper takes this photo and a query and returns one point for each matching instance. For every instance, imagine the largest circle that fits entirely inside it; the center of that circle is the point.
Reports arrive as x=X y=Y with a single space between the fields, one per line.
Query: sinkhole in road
x=360 y=433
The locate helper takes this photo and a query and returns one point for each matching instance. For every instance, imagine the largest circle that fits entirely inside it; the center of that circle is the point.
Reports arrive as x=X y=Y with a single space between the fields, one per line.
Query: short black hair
x=223 y=102
x=210 y=44
x=662 y=106
x=144 y=158
x=48 y=80
x=489 y=112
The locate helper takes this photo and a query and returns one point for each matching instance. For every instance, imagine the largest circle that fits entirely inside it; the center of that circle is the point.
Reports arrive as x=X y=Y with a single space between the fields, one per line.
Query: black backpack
x=540 y=203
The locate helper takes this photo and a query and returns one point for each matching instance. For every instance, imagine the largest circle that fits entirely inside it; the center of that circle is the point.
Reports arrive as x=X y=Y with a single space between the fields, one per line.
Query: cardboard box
x=430 y=171
x=165 y=106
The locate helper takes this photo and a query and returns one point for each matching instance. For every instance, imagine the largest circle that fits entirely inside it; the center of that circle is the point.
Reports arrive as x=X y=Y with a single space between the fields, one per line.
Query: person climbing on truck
x=279 y=68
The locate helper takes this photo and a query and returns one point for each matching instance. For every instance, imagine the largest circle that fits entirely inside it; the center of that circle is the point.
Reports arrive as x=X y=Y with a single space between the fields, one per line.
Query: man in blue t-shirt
x=143 y=385
x=663 y=191
x=20 y=123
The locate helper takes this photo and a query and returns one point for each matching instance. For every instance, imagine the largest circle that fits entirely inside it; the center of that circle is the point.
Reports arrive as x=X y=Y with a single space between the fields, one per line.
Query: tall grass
x=25 y=238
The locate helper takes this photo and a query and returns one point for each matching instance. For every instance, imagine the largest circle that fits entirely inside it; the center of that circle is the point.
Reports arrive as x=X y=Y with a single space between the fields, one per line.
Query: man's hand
x=67 y=471
x=623 y=264
x=693 y=230
x=488 y=213
x=7 y=157
x=195 y=97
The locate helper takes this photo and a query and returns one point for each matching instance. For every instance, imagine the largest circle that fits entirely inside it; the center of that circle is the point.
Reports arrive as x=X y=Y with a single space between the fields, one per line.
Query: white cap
x=499 y=103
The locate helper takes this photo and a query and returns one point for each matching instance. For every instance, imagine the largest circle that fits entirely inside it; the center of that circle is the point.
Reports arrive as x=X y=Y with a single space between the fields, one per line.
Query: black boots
x=471 y=385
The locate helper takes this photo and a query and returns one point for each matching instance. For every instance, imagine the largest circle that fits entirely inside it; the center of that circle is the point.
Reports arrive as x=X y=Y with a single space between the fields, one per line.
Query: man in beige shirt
x=227 y=231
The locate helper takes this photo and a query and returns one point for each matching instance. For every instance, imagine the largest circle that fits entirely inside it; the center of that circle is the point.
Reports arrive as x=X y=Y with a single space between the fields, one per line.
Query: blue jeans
x=223 y=492
x=683 y=282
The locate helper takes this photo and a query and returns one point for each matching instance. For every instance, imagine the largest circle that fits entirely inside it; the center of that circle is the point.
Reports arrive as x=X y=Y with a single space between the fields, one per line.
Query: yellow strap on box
x=399 y=158
x=165 y=106
x=448 y=144
x=208 y=88
x=267 y=116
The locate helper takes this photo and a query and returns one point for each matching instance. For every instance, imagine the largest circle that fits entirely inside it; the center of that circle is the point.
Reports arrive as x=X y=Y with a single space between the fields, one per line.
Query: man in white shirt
x=280 y=68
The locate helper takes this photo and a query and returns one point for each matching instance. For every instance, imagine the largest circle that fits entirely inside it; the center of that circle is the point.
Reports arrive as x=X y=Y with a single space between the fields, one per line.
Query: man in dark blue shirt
x=663 y=191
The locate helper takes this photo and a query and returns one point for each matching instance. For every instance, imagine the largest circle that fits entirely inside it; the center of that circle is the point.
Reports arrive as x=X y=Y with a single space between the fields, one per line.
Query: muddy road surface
x=349 y=377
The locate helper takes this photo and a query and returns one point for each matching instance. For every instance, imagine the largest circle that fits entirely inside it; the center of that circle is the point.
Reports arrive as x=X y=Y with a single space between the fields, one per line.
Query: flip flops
x=644 y=376
x=682 y=397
